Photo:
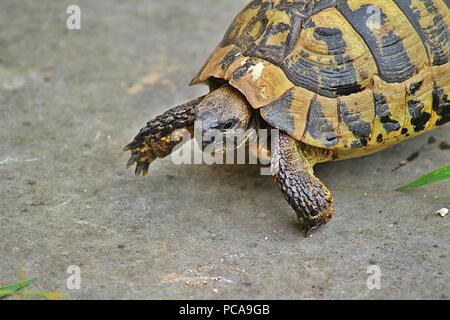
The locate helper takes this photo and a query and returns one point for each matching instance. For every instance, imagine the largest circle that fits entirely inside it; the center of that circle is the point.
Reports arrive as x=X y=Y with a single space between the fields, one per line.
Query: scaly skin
x=292 y=168
x=156 y=139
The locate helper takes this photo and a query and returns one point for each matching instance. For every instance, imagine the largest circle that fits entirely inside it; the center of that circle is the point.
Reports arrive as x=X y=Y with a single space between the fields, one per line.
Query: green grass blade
x=14 y=288
x=49 y=295
x=433 y=177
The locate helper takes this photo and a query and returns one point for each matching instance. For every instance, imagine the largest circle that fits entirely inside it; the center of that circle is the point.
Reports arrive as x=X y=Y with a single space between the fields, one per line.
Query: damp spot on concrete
x=444 y=145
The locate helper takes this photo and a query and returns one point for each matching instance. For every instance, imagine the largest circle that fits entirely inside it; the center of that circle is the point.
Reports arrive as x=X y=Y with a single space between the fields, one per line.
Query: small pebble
x=442 y=212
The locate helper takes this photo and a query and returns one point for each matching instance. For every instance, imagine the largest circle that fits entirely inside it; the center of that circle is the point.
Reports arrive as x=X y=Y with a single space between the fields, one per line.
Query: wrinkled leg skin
x=292 y=167
x=157 y=138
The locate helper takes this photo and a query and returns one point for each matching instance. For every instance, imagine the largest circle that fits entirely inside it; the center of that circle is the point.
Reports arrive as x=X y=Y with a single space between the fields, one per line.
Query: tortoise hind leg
x=292 y=168
x=157 y=138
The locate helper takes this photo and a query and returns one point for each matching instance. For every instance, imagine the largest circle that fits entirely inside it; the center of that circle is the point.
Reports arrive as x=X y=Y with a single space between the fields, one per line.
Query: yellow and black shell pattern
x=341 y=74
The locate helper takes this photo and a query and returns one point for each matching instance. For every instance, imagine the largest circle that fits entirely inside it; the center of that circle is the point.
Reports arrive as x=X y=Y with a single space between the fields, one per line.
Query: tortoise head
x=224 y=115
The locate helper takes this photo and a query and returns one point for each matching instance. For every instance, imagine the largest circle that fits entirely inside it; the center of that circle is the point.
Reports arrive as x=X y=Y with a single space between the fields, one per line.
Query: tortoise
x=338 y=78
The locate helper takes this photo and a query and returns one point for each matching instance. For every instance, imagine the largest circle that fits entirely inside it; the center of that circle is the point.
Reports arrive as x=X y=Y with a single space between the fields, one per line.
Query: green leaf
x=14 y=288
x=433 y=177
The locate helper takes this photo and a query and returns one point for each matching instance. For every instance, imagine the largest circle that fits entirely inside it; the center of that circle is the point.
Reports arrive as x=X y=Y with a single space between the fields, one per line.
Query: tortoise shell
x=349 y=75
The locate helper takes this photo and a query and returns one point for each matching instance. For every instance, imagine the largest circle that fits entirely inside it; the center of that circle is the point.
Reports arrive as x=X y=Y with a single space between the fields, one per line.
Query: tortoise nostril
x=209 y=139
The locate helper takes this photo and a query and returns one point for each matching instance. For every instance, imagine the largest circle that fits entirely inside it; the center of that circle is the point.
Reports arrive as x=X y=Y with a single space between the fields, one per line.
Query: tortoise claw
x=145 y=169
x=308 y=230
x=142 y=158
x=138 y=169
x=142 y=168
x=134 y=159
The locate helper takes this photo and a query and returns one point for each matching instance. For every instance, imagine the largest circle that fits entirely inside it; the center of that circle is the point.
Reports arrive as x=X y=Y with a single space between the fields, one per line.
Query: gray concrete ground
x=69 y=102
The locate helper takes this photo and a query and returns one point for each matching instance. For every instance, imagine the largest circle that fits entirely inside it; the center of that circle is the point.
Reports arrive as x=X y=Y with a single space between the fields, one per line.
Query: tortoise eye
x=229 y=124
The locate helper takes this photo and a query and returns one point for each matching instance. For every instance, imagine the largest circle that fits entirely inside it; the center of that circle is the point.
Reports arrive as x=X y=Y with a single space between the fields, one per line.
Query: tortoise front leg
x=292 y=168
x=156 y=139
